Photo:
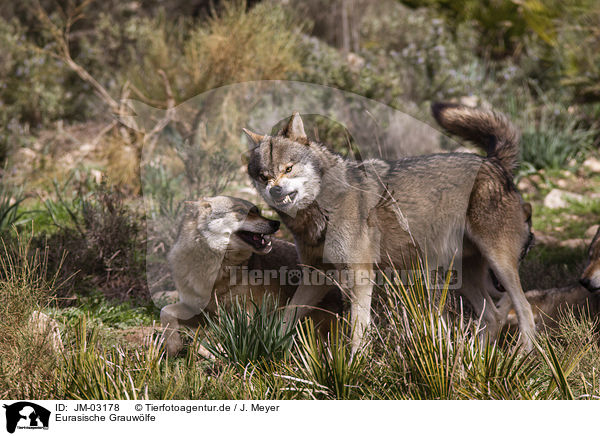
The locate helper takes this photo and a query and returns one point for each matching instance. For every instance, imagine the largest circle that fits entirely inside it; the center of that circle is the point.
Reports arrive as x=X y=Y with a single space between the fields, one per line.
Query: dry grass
x=27 y=368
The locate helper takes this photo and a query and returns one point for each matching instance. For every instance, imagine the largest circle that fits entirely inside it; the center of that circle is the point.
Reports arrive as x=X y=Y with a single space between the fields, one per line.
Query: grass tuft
x=327 y=363
x=26 y=371
x=241 y=336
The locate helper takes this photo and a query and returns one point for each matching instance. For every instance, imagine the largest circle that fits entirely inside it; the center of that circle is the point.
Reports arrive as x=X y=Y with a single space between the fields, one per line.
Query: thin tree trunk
x=345 y=27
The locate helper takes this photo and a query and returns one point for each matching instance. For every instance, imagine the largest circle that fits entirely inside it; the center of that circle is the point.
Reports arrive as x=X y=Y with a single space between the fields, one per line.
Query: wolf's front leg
x=169 y=319
x=304 y=300
x=360 y=305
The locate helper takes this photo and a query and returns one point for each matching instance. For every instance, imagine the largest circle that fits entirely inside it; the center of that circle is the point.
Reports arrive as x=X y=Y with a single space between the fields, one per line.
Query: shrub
x=102 y=242
x=548 y=144
x=433 y=354
x=578 y=44
x=111 y=314
x=234 y=45
x=30 y=96
x=427 y=59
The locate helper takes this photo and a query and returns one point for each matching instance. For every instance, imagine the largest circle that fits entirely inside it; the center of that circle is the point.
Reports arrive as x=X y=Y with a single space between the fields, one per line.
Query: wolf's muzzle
x=276 y=192
x=587 y=283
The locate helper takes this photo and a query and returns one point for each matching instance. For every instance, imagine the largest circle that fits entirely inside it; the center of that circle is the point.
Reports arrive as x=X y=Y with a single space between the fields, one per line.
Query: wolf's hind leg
x=509 y=277
x=474 y=290
x=504 y=264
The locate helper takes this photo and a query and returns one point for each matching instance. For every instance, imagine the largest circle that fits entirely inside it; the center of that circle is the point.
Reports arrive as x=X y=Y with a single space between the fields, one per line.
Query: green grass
x=551 y=146
x=333 y=371
x=569 y=222
x=11 y=210
x=101 y=312
x=552 y=266
x=416 y=350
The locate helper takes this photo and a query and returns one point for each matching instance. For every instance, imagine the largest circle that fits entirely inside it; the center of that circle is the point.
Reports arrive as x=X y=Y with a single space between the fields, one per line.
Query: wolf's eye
x=289 y=168
x=262 y=177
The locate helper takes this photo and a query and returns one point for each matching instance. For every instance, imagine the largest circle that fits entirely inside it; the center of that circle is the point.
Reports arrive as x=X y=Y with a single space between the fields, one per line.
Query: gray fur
x=435 y=209
x=208 y=251
x=591 y=275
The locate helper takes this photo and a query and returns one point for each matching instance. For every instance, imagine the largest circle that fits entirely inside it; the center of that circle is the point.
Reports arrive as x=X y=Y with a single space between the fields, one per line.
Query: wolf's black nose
x=585 y=282
x=274 y=225
x=276 y=192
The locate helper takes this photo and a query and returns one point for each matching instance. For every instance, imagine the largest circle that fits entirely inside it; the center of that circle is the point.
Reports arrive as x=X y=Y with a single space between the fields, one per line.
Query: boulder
x=592 y=164
x=557 y=199
x=591 y=232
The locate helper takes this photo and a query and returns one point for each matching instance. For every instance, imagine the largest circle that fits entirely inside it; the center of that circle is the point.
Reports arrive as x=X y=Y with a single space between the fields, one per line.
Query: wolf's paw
x=174 y=344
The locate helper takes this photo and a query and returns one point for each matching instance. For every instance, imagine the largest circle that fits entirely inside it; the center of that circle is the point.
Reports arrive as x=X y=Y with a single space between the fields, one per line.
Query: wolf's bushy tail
x=485 y=128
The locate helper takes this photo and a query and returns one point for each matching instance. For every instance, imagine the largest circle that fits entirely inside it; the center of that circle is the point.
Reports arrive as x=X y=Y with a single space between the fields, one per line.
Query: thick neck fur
x=310 y=224
x=235 y=258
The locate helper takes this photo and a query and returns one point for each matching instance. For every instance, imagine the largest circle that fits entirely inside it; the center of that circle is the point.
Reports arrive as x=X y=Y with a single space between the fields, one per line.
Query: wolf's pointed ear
x=191 y=209
x=204 y=207
x=295 y=128
x=254 y=137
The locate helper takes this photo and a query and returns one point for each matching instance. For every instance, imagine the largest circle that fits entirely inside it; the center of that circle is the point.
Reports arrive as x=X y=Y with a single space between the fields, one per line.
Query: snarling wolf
x=445 y=208
x=591 y=275
x=225 y=249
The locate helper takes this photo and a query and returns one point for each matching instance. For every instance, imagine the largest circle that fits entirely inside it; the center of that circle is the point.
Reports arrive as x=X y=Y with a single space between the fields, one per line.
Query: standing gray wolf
x=219 y=240
x=591 y=275
x=358 y=216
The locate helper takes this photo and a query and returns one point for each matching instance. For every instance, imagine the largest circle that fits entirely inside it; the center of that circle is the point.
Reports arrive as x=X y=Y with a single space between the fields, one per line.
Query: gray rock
x=557 y=198
x=591 y=232
x=592 y=164
x=543 y=239
x=573 y=243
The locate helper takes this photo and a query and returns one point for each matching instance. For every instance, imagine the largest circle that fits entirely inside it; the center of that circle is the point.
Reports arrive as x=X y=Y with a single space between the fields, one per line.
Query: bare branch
x=151 y=137
x=61 y=37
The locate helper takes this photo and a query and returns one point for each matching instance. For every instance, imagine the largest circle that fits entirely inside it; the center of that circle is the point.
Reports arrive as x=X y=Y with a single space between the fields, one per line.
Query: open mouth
x=259 y=241
x=288 y=198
